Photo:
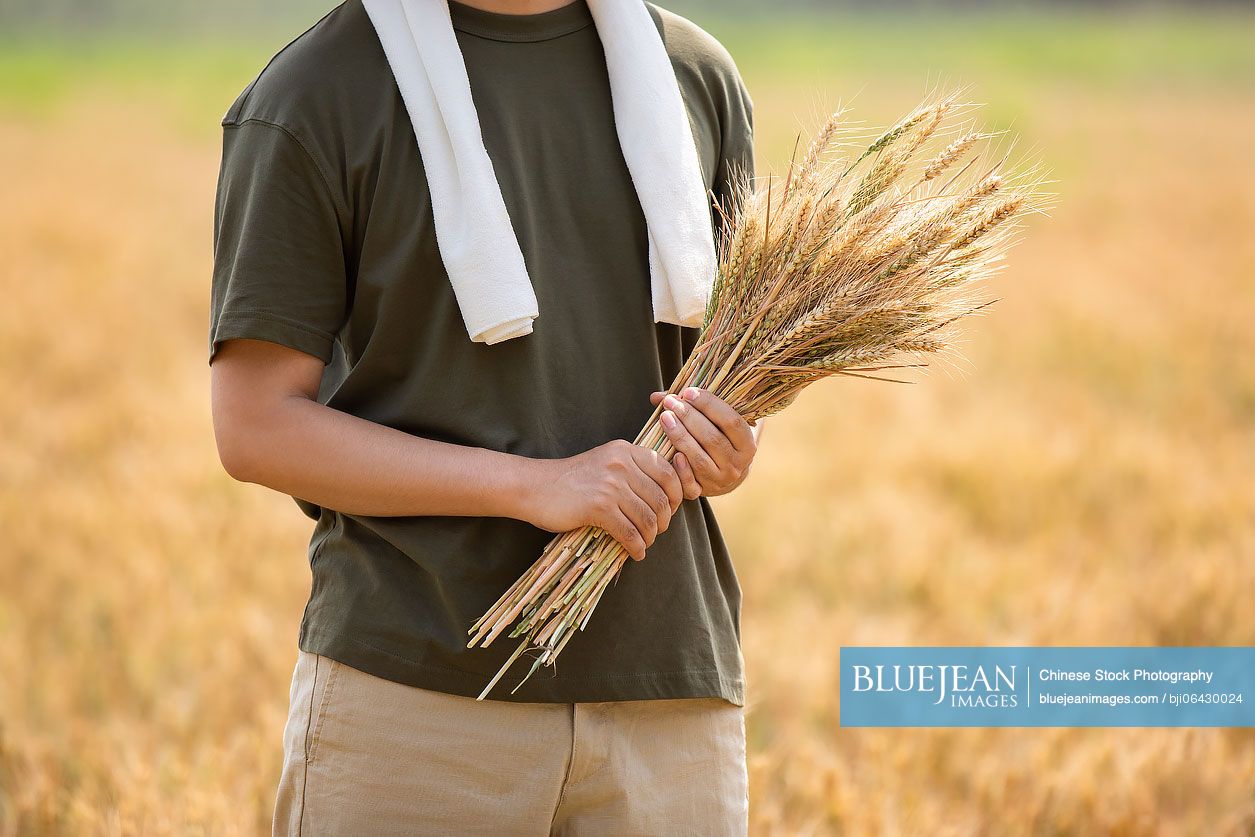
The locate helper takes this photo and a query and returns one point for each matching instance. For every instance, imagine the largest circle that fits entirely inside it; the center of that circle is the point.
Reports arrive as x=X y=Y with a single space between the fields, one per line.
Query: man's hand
x=627 y=490
x=714 y=445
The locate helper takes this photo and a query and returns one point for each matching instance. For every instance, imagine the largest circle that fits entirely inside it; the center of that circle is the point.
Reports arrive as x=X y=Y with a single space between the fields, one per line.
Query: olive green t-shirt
x=324 y=242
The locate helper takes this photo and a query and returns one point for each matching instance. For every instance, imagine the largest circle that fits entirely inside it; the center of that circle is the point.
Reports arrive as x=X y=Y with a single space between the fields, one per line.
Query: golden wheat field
x=1085 y=478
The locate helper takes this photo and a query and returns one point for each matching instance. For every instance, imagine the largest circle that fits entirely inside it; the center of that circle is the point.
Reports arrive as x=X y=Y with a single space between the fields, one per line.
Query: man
x=437 y=466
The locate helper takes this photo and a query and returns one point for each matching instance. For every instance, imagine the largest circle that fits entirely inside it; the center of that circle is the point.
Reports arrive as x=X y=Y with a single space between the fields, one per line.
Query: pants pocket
x=313 y=681
x=322 y=690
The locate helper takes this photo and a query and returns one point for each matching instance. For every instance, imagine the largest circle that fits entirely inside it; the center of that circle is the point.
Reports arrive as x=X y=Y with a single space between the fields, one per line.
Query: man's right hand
x=629 y=491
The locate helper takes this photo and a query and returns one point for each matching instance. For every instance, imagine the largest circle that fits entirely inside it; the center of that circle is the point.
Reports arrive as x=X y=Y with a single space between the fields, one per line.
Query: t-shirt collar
x=543 y=26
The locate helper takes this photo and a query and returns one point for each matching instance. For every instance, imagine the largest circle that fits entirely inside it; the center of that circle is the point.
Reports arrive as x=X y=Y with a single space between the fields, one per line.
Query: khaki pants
x=366 y=756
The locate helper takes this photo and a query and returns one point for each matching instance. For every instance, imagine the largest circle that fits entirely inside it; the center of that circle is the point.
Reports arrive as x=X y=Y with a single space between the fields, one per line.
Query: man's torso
x=394 y=596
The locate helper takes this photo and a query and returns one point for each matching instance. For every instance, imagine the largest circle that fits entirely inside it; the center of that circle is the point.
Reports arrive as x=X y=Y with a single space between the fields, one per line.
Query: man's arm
x=272 y=431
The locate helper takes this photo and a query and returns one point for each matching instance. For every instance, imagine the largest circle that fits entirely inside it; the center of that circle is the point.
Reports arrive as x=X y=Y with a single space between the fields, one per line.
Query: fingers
x=651 y=503
x=714 y=443
x=639 y=492
x=621 y=528
x=692 y=488
x=697 y=462
x=738 y=431
x=694 y=434
x=642 y=515
x=661 y=472
x=721 y=415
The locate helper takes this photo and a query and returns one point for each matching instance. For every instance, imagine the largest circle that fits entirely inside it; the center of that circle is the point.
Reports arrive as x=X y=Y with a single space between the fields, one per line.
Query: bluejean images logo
x=961 y=685
x=1052 y=686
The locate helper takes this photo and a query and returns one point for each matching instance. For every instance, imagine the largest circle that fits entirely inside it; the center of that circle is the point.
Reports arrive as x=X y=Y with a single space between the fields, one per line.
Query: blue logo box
x=1048 y=687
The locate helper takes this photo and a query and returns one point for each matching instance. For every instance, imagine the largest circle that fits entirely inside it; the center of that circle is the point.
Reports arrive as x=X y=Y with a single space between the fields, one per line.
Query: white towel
x=477 y=243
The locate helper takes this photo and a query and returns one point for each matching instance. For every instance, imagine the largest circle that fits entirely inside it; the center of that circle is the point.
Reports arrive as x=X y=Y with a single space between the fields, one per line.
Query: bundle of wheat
x=845 y=267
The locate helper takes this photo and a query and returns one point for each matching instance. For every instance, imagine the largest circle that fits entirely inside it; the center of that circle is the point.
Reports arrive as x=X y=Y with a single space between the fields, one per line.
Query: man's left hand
x=714 y=445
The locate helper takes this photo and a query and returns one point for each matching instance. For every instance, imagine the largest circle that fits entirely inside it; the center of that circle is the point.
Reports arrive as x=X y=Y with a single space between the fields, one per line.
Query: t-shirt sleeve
x=736 y=155
x=734 y=170
x=279 y=260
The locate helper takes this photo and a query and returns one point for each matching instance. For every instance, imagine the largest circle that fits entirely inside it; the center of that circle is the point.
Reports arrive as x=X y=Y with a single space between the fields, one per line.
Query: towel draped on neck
x=477 y=243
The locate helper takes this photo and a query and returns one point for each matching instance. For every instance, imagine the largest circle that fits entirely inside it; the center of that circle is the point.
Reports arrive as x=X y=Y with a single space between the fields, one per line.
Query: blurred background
x=1085 y=479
